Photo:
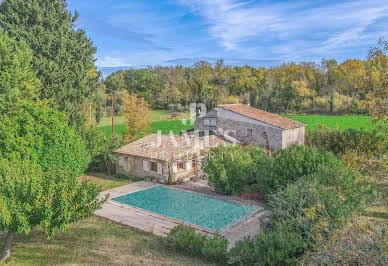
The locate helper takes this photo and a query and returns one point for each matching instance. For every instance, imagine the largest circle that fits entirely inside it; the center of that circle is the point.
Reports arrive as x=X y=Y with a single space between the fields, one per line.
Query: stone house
x=252 y=126
x=165 y=157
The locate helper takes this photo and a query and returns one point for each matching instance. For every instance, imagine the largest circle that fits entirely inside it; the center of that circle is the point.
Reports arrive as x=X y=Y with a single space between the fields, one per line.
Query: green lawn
x=156 y=115
x=108 y=182
x=96 y=241
x=331 y=121
x=175 y=126
x=312 y=121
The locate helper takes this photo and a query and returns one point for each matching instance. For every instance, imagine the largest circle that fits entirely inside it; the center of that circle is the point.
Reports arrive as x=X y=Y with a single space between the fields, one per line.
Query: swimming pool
x=188 y=207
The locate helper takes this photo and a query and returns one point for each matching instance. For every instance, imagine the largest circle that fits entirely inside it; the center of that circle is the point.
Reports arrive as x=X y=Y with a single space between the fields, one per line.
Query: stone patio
x=161 y=225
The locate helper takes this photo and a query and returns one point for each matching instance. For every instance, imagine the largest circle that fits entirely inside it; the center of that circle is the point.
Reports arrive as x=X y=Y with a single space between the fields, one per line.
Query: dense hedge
x=233 y=169
x=211 y=248
x=37 y=133
x=100 y=147
x=372 y=143
x=289 y=164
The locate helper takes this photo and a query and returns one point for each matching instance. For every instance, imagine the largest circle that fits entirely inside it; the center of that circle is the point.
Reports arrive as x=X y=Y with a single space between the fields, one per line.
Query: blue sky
x=258 y=33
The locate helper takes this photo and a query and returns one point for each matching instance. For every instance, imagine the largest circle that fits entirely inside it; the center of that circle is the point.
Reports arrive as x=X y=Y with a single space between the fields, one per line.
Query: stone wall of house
x=141 y=167
x=135 y=166
x=199 y=124
x=252 y=133
x=293 y=136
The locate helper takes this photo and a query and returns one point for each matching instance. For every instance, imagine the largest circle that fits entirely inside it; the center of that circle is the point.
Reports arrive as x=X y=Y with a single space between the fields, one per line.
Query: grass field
x=96 y=241
x=106 y=182
x=176 y=126
x=331 y=121
x=161 y=122
x=156 y=115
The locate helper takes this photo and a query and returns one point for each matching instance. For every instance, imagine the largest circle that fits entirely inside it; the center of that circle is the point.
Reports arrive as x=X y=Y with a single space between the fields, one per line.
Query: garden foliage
x=232 y=170
x=100 y=147
x=42 y=158
x=371 y=143
x=37 y=133
x=211 y=248
x=62 y=54
x=311 y=193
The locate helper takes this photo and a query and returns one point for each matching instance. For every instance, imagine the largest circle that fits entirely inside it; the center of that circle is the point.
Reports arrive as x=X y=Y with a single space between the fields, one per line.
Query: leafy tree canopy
x=38 y=133
x=17 y=79
x=63 y=56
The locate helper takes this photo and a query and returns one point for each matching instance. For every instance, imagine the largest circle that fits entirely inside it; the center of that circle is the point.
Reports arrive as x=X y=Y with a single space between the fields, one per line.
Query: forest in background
x=328 y=87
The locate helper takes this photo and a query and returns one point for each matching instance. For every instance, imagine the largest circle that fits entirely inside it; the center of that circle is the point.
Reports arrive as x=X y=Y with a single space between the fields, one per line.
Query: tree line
x=328 y=87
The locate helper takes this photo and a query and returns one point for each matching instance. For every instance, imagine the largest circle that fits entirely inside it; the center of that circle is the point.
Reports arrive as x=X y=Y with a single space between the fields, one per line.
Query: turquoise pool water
x=189 y=207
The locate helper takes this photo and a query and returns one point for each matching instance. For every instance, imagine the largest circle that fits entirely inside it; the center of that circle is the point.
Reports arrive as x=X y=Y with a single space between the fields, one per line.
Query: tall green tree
x=17 y=79
x=41 y=160
x=63 y=55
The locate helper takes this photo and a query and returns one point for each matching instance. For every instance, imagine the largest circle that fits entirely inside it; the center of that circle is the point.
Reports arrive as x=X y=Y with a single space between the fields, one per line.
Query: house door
x=194 y=167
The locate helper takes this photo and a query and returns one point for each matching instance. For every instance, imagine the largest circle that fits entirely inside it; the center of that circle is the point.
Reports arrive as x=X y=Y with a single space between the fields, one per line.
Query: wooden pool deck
x=161 y=225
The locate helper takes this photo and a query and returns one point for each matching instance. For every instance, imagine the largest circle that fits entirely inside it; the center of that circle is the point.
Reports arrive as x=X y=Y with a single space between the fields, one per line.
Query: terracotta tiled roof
x=169 y=148
x=263 y=116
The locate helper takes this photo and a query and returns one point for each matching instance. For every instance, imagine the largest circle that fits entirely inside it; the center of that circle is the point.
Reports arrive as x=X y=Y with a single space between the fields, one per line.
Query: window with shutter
x=174 y=168
x=146 y=166
x=188 y=165
x=160 y=168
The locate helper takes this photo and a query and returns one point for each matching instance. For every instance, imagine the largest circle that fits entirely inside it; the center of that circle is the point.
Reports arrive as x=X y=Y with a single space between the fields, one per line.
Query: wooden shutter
x=174 y=168
x=146 y=165
x=188 y=165
x=160 y=168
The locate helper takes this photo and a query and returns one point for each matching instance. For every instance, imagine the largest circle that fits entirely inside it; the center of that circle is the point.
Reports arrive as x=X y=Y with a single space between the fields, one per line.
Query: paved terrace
x=161 y=225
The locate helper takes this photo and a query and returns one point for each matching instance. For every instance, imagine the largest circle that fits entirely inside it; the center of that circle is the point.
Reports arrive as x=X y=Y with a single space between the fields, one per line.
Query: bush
x=291 y=163
x=37 y=133
x=101 y=147
x=231 y=169
x=370 y=143
x=277 y=245
x=306 y=212
x=185 y=238
x=360 y=243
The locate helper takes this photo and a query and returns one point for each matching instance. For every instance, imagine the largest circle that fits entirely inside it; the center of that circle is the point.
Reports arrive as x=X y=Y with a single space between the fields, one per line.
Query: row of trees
x=291 y=87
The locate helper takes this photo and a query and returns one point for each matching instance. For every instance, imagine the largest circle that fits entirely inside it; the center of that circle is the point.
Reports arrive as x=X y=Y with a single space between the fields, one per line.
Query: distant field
x=162 y=121
x=339 y=122
x=156 y=115
x=176 y=126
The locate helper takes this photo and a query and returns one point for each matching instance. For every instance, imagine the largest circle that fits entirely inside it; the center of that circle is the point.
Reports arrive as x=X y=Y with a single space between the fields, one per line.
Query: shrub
x=360 y=243
x=306 y=212
x=291 y=163
x=316 y=205
x=243 y=253
x=371 y=143
x=37 y=133
x=277 y=245
x=231 y=169
x=185 y=238
x=101 y=147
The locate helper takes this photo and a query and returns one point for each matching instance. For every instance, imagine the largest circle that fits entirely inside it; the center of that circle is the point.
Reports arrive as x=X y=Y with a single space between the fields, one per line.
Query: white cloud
x=294 y=28
x=109 y=61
